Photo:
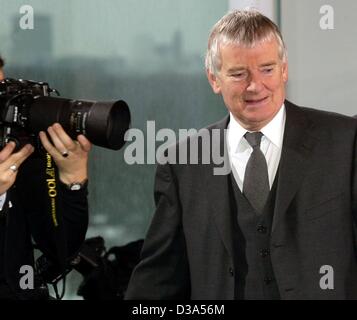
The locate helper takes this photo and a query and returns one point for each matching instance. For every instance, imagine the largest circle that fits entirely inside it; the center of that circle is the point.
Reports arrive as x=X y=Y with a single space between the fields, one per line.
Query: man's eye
x=238 y=75
x=268 y=70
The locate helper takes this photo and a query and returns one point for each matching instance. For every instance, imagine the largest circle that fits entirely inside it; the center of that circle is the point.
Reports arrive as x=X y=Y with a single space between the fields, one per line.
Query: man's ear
x=214 y=82
x=285 y=72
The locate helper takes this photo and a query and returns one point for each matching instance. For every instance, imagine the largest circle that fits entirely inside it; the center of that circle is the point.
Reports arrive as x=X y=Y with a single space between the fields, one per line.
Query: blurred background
x=150 y=53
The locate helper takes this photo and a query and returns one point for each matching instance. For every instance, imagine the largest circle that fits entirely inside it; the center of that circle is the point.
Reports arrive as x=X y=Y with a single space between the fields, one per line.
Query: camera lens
x=103 y=123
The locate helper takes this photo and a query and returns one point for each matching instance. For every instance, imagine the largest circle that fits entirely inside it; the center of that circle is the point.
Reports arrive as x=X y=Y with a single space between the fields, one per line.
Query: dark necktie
x=256 y=180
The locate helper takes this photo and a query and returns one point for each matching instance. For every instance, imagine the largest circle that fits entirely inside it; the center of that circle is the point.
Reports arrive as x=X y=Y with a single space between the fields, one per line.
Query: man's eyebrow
x=235 y=69
x=268 y=64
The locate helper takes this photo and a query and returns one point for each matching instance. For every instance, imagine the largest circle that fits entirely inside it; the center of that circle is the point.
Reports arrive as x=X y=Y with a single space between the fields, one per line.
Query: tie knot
x=253 y=138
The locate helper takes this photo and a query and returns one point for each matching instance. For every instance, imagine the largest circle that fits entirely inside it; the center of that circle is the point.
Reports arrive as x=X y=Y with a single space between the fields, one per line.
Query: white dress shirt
x=271 y=144
x=2 y=200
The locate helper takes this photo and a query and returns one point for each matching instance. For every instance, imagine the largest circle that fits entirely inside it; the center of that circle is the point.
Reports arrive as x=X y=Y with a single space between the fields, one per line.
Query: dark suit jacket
x=30 y=217
x=189 y=249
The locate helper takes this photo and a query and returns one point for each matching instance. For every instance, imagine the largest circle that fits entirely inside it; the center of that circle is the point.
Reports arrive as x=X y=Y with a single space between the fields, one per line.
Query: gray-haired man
x=281 y=224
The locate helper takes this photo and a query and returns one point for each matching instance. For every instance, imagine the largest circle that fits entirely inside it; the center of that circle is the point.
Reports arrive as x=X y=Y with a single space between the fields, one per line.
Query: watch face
x=75 y=186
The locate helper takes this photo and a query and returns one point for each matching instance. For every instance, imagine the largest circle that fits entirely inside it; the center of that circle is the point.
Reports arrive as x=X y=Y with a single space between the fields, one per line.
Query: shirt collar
x=273 y=131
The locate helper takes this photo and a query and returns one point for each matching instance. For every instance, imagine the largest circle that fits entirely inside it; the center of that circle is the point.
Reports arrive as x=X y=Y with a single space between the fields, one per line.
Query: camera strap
x=54 y=208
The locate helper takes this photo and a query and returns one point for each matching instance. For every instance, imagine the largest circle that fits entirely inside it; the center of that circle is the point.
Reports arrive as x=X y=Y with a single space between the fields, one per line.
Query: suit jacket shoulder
x=320 y=119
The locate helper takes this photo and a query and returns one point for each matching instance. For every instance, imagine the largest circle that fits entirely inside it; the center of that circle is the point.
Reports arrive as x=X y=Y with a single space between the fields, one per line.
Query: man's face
x=252 y=82
x=2 y=77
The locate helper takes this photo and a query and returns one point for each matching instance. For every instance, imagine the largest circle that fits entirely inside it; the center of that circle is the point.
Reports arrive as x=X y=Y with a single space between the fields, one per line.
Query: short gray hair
x=241 y=27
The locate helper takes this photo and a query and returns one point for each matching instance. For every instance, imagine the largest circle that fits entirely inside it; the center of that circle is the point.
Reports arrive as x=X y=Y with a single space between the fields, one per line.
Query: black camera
x=106 y=274
x=27 y=107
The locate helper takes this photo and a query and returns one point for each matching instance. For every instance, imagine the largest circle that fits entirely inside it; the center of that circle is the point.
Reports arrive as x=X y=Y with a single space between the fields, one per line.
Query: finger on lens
x=57 y=139
x=63 y=136
x=84 y=142
x=47 y=144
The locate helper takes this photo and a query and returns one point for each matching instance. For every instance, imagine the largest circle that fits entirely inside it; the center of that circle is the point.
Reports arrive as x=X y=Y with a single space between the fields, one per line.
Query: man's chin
x=255 y=122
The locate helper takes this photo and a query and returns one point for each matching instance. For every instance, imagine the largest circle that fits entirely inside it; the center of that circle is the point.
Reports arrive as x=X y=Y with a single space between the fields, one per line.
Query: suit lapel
x=296 y=152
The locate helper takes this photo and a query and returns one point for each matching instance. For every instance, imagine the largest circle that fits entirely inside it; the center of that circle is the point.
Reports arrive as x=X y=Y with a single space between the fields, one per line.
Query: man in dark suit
x=27 y=212
x=281 y=224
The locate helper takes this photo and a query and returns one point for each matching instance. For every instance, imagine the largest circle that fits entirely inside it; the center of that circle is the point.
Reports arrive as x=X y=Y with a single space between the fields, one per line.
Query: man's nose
x=254 y=84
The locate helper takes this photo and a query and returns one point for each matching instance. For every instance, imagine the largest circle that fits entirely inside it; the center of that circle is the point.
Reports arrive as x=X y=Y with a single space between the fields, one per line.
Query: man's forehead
x=270 y=44
x=262 y=52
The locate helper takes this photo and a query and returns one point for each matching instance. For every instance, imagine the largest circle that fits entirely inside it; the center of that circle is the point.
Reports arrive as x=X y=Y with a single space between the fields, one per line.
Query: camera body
x=16 y=98
x=106 y=274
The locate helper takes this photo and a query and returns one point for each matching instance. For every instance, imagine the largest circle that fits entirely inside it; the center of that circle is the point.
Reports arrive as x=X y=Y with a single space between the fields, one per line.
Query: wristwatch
x=75 y=186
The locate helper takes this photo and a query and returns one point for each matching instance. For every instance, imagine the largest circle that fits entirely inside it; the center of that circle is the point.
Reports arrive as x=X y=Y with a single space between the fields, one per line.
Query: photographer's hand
x=10 y=162
x=71 y=156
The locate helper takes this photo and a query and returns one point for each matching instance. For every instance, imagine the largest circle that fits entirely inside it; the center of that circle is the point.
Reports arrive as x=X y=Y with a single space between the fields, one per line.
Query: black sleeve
x=163 y=271
x=75 y=216
x=67 y=226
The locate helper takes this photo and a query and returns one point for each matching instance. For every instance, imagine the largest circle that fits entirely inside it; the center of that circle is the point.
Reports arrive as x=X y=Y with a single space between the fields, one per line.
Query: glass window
x=149 y=53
